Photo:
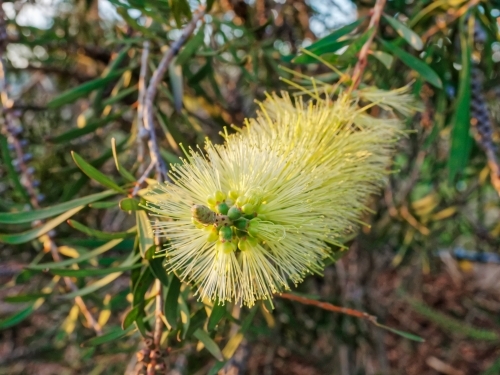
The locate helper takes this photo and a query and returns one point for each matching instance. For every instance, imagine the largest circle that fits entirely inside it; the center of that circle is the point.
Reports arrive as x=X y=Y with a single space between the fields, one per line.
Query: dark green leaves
x=406 y=33
x=99 y=234
x=115 y=334
x=171 y=302
x=419 y=66
x=83 y=90
x=218 y=312
x=210 y=344
x=461 y=141
x=43 y=213
x=94 y=174
x=15 y=239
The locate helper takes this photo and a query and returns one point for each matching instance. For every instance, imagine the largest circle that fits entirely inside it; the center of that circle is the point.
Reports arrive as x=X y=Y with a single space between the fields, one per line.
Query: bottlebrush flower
x=246 y=219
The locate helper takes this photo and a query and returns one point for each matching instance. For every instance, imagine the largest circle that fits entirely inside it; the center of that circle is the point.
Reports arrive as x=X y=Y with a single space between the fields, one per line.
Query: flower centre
x=230 y=220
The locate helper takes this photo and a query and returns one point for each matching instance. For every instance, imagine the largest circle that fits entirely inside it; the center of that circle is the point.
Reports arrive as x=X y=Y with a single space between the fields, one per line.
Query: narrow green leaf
x=125 y=174
x=328 y=44
x=145 y=232
x=210 y=344
x=23 y=298
x=383 y=57
x=132 y=316
x=197 y=320
x=461 y=141
x=406 y=335
x=176 y=84
x=11 y=172
x=19 y=316
x=92 y=126
x=64 y=263
x=180 y=8
x=83 y=90
x=92 y=272
x=102 y=282
x=419 y=66
x=15 y=239
x=218 y=312
x=129 y=204
x=172 y=302
x=43 y=213
x=120 y=95
x=143 y=284
x=114 y=334
x=156 y=265
x=103 y=205
x=405 y=32
x=94 y=174
x=216 y=368
x=191 y=47
x=99 y=234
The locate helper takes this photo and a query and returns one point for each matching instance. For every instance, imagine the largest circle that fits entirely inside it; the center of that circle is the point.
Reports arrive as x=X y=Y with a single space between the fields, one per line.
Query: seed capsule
x=234 y=213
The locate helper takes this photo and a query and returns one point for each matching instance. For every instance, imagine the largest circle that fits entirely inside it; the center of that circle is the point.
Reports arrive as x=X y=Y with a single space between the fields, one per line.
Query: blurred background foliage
x=78 y=279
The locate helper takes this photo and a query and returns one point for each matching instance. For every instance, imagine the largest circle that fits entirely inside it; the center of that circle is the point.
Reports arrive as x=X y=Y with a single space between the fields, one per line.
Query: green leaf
x=20 y=315
x=156 y=265
x=419 y=66
x=172 y=302
x=406 y=335
x=23 y=298
x=216 y=368
x=43 y=213
x=64 y=263
x=120 y=95
x=197 y=320
x=180 y=8
x=125 y=174
x=94 y=174
x=218 y=312
x=83 y=90
x=88 y=128
x=104 y=205
x=132 y=316
x=176 y=84
x=328 y=44
x=145 y=232
x=90 y=288
x=210 y=344
x=141 y=287
x=405 y=32
x=191 y=47
x=351 y=53
x=16 y=239
x=92 y=272
x=383 y=57
x=114 y=334
x=99 y=234
x=11 y=172
x=129 y=204
x=461 y=141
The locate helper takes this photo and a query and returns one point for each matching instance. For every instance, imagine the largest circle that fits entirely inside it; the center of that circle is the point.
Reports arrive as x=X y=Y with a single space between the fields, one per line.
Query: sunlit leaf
x=210 y=344
x=405 y=32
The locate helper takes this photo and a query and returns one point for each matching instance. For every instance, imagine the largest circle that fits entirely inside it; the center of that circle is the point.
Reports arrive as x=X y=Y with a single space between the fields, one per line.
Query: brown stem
x=329 y=307
x=154 y=82
x=363 y=54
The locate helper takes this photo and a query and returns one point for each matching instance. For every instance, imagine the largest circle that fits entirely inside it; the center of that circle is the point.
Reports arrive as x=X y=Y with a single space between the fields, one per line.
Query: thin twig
x=143 y=177
x=329 y=307
x=363 y=54
x=443 y=25
x=154 y=82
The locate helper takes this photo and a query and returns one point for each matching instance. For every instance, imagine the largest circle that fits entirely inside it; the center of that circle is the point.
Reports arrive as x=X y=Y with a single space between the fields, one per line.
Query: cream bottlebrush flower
x=249 y=217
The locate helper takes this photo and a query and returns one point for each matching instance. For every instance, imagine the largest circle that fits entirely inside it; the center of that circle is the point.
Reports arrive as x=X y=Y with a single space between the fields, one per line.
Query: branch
x=363 y=54
x=329 y=307
x=155 y=81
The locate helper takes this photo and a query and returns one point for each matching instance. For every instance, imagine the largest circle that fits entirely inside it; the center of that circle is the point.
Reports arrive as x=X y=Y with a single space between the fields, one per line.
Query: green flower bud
x=222 y=208
x=253 y=227
x=241 y=224
x=225 y=234
x=234 y=213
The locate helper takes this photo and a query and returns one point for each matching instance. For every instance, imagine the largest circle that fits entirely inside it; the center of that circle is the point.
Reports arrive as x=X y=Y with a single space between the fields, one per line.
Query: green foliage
x=79 y=117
